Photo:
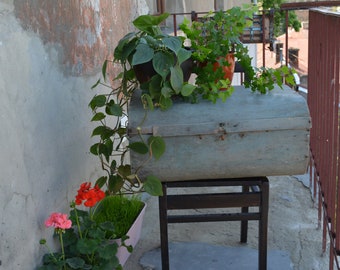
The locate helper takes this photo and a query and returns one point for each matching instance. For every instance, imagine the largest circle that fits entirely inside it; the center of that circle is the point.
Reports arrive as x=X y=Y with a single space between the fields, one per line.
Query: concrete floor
x=294 y=240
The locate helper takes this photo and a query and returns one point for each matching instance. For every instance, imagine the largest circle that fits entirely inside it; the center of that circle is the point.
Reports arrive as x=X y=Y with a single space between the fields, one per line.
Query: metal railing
x=323 y=101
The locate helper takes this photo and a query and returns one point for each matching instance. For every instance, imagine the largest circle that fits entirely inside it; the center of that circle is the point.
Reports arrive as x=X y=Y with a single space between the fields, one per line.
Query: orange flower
x=83 y=190
x=90 y=195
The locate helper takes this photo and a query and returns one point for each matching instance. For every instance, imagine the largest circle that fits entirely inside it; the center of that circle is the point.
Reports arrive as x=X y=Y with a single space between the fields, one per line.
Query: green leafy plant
x=109 y=111
x=212 y=38
x=85 y=243
x=165 y=56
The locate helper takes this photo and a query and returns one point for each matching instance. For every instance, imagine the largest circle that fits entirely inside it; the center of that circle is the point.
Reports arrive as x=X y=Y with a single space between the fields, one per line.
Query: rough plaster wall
x=90 y=26
x=50 y=55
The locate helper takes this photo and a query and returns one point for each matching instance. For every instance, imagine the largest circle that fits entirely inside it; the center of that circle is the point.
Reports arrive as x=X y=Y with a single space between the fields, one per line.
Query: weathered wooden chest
x=248 y=135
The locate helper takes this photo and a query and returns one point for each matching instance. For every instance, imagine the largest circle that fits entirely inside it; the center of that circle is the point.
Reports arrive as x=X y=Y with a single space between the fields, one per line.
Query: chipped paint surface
x=84 y=32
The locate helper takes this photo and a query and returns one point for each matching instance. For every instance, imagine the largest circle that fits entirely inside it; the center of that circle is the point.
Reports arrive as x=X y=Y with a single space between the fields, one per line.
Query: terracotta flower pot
x=228 y=70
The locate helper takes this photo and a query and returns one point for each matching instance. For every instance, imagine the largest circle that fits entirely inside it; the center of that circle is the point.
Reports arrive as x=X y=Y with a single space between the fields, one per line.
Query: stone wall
x=51 y=54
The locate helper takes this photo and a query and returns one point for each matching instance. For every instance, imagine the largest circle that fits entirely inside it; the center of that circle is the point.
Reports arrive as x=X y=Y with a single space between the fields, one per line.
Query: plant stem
x=78 y=225
x=62 y=247
x=51 y=253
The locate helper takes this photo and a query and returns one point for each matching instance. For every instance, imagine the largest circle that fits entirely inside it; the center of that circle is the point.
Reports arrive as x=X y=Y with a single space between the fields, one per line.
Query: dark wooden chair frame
x=255 y=193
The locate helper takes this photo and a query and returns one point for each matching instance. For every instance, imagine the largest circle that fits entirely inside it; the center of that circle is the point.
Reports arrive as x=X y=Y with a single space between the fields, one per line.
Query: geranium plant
x=215 y=36
x=84 y=242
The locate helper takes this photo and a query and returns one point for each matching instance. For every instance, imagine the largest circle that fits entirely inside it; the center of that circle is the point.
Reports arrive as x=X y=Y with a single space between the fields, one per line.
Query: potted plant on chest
x=162 y=59
x=215 y=41
x=159 y=61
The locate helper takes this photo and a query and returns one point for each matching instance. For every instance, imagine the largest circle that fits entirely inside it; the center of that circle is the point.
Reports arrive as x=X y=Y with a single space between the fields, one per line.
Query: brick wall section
x=84 y=32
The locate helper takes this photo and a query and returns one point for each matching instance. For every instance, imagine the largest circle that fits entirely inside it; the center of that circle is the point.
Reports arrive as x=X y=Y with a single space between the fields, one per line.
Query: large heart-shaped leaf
x=142 y=55
x=162 y=62
x=157 y=146
x=147 y=22
x=139 y=147
x=187 y=89
x=183 y=55
x=176 y=78
x=173 y=43
x=98 y=101
x=153 y=186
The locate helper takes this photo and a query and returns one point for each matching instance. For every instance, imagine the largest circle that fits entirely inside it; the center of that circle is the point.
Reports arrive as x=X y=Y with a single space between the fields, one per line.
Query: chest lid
x=245 y=111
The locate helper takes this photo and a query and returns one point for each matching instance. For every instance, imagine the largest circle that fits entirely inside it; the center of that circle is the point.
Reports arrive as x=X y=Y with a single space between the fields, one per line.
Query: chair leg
x=244 y=223
x=263 y=225
x=163 y=222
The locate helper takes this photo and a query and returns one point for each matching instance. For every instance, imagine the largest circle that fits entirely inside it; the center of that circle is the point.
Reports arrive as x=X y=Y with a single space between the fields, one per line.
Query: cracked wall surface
x=51 y=54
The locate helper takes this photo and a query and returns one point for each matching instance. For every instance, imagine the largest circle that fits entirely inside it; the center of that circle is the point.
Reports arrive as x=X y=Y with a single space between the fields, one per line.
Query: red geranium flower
x=90 y=195
x=83 y=190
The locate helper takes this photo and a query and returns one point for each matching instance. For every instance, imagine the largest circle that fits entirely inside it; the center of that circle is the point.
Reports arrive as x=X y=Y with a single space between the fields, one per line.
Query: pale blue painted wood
x=248 y=135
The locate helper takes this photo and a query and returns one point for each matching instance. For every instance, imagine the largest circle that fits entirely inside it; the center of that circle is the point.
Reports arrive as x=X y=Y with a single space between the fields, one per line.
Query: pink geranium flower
x=58 y=221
